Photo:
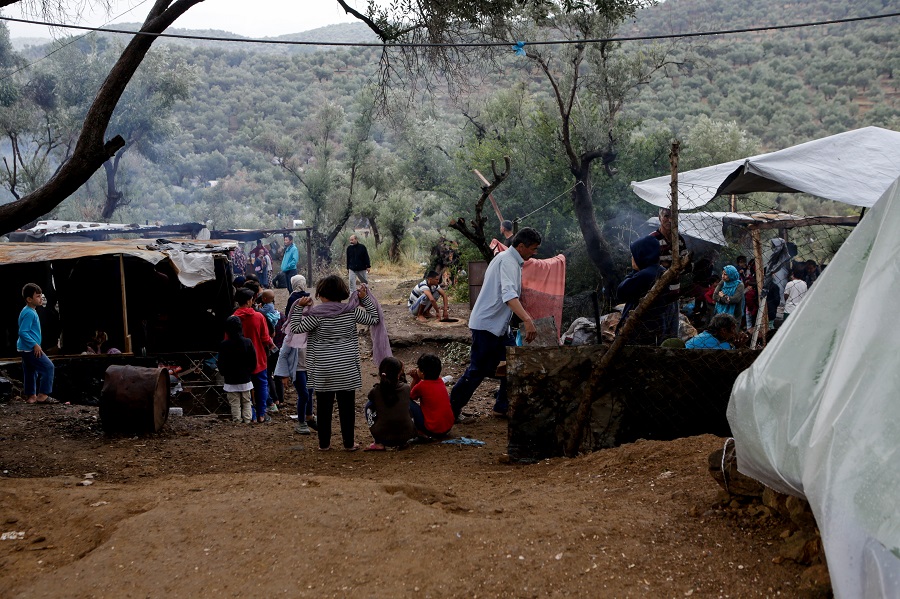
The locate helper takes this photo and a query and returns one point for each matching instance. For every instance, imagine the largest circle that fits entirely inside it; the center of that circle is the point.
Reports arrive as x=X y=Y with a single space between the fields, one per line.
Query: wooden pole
x=761 y=311
x=583 y=414
x=673 y=207
x=485 y=182
x=309 y=279
x=124 y=304
x=733 y=203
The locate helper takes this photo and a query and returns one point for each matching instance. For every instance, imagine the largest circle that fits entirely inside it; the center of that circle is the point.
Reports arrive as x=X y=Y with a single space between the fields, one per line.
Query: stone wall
x=648 y=393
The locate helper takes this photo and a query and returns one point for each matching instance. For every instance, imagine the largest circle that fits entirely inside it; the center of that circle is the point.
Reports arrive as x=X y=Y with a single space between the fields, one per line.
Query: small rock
x=86 y=483
x=816 y=578
x=38 y=539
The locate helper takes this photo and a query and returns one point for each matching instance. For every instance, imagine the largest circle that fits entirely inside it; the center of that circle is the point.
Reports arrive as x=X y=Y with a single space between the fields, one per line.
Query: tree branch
x=91 y=151
x=476 y=233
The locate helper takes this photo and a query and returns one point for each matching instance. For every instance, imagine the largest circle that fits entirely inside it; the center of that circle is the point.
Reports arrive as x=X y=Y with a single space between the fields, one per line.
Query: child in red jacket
x=433 y=415
x=257 y=331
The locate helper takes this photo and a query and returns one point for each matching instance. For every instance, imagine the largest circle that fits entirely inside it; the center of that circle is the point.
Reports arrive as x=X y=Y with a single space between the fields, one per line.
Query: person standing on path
x=37 y=380
x=358 y=263
x=332 y=352
x=489 y=321
x=289 y=261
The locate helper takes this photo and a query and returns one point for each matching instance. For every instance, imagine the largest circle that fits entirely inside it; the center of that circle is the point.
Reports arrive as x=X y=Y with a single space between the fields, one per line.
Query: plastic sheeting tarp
x=855 y=167
x=818 y=413
x=193 y=261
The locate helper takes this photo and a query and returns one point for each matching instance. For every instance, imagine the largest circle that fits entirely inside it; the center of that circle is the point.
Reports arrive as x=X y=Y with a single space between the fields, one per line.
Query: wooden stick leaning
x=583 y=415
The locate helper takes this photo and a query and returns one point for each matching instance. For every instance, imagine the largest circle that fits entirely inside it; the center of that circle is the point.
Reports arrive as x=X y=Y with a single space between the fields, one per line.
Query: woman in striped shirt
x=332 y=355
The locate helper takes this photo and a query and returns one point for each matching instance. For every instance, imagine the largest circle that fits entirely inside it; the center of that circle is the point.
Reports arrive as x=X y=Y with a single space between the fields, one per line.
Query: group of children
x=316 y=348
x=398 y=413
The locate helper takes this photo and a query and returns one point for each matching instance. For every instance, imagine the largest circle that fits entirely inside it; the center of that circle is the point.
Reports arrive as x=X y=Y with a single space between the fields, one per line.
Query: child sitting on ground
x=433 y=415
x=237 y=360
x=387 y=411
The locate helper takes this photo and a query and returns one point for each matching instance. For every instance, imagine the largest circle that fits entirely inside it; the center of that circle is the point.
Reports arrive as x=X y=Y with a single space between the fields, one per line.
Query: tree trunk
x=597 y=247
x=91 y=151
x=321 y=249
x=394 y=250
x=113 y=195
x=375 y=234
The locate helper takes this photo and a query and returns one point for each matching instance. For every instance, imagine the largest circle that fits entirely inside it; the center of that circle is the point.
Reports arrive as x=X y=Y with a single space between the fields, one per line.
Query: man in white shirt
x=497 y=301
x=793 y=292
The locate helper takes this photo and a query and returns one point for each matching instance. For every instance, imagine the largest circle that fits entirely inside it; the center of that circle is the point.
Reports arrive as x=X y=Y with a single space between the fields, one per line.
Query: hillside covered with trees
x=252 y=135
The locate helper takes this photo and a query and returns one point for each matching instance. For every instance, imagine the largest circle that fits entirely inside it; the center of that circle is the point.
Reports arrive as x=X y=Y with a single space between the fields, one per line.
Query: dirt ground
x=208 y=507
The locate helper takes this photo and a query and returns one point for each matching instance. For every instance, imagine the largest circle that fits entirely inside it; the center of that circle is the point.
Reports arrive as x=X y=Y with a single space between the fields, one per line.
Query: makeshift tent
x=817 y=414
x=66 y=230
x=854 y=167
x=147 y=297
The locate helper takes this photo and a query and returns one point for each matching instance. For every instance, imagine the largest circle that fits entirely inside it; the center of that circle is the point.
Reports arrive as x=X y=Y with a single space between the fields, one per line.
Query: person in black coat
x=237 y=361
x=358 y=263
x=645 y=261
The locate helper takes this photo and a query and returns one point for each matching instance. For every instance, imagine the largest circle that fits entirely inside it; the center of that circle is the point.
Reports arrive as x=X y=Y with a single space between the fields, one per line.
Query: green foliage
x=235 y=109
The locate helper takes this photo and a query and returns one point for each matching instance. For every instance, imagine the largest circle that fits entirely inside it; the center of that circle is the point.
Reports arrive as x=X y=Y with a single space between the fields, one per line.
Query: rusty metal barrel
x=134 y=400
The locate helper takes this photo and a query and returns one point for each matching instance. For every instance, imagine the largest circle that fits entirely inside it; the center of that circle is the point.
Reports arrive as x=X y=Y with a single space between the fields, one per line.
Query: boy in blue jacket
x=36 y=366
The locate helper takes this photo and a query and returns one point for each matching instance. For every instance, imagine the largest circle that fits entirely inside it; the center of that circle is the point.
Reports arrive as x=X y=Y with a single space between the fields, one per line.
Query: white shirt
x=794 y=290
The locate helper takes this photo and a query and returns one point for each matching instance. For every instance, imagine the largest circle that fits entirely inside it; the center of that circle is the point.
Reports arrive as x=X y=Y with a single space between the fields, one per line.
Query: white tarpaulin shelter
x=855 y=168
x=817 y=415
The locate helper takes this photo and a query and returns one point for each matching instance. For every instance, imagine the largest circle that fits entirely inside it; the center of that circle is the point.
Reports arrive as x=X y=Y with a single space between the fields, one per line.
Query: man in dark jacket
x=645 y=261
x=357 y=262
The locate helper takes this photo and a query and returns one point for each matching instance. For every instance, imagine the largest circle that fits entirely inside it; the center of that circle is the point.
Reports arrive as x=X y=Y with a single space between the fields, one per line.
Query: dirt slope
x=208 y=508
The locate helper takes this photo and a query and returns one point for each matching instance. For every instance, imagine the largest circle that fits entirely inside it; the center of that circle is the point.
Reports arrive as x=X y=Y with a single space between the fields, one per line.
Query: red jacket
x=257 y=331
x=435 y=402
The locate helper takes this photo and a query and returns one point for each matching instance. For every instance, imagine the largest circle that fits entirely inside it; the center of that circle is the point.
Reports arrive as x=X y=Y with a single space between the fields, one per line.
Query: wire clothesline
x=521 y=218
x=516 y=46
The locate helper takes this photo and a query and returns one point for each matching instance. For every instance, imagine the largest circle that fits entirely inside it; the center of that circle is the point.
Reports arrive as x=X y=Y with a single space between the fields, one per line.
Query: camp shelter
x=817 y=414
x=854 y=167
x=69 y=231
x=148 y=297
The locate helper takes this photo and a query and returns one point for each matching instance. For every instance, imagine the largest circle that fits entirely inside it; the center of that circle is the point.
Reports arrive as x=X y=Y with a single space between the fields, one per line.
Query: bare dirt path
x=208 y=508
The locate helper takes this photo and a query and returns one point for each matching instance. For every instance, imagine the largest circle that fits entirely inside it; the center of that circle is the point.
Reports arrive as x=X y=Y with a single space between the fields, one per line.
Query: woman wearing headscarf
x=292 y=361
x=729 y=293
x=298 y=290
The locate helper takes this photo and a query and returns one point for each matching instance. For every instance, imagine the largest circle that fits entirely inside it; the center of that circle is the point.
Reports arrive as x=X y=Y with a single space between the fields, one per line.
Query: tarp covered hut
x=149 y=298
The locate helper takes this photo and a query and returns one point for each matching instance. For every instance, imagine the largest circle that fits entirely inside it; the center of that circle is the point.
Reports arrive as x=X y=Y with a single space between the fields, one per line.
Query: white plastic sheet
x=818 y=413
x=854 y=167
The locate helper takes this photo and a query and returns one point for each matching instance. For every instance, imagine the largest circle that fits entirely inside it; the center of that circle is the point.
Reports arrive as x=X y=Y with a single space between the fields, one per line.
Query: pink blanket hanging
x=543 y=285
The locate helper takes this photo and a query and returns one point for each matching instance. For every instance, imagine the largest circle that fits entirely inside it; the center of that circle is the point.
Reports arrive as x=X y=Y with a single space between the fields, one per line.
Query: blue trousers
x=38 y=373
x=304 y=397
x=418 y=417
x=488 y=350
x=260 y=393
